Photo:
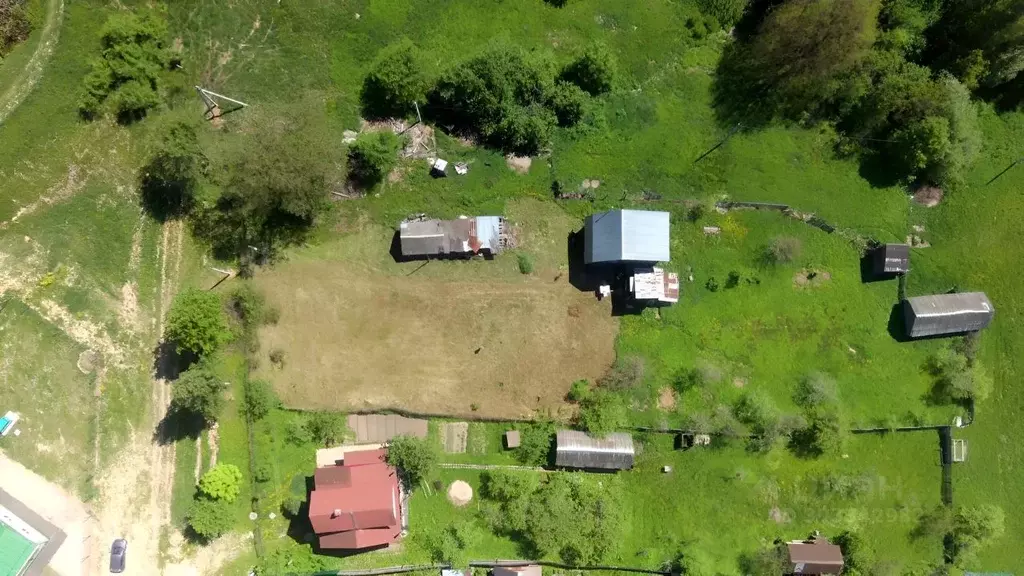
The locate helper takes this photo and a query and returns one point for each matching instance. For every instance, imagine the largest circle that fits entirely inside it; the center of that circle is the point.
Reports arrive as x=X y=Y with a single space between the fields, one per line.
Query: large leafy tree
x=196 y=322
x=415 y=458
x=325 y=428
x=209 y=518
x=575 y=518
x=396 y=80
x=222 y=482
x=172 y=178
x=199 y=392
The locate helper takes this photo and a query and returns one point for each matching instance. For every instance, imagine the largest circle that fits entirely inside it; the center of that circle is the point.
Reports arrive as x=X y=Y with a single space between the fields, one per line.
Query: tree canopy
x=222 y=482
x=372 y=156
x=172 y=178
x=396 y=80
x=415 y=458
x=196 y=322
x=199 y=392
x=209 y=518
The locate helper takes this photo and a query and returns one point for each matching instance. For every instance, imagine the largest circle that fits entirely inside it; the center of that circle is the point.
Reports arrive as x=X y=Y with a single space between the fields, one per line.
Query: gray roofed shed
x=458 y=236
x=627 y=236
x=947 y=314
x=892 y=259
x=575 y=449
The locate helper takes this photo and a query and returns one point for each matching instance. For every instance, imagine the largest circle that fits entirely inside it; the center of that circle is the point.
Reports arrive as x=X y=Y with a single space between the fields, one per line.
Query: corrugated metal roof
x=892 y=259
x=371 y=428
x=459 y=236
x=575 y=449
x=947 y=313
x=655 y=284
x=627 y=236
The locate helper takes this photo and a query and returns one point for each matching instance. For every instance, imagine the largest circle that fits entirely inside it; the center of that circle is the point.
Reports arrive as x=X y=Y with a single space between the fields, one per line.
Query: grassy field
x=359 y=331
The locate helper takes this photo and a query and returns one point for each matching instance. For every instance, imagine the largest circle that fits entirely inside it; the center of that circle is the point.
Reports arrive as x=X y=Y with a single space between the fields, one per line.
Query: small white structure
x=654 y=284
x=7 y=423
x=439 y=167
x=604 y=291
x=959 y=450
x=462 y=168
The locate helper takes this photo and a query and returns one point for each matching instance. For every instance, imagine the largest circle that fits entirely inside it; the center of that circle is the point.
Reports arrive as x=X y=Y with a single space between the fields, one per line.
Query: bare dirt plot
x=360 y=338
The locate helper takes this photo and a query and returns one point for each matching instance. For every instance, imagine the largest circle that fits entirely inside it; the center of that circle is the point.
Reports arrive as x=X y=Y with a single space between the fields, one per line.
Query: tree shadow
x=878 y=170
x=739 y=95
x=868 y=273
x=178 y=425
x=802 y=444
x=299 y=527
x=898 y=324
x=168 y=363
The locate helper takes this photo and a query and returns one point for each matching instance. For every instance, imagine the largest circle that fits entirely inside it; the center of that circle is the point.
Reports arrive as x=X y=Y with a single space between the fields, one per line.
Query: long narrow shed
x=575 y=449
x=947 y=314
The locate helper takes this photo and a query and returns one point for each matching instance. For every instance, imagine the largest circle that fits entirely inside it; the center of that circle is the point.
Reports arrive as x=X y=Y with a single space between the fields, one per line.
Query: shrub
x=127 y=73
x=593 y=70
x=733 y=280
x=627 y=373
x=372 y=156
x=172 y=178
x=14 y=25
x=825 y=433
x=415 y=458
x=574 y=518
x=760 y=413
x=248 y=303
x=579 y=391
x=263 y=472
x=525 y=263
x=277 y=357
x=209 y=518
x=259 y=400
x=711 y=284
x=816 y=390
x=222 y=482
x=974 y=528
x=725 y=12
x=395 y=81
x=957 y=378
x=196 y=323
x=568 y=102
x=725 y=423
x=291 y=506
x=782 y=249
x=695 y=213
x=297 y=432
x=199 y=392
x=856 y=555
x=523 y=130
x=602 y=412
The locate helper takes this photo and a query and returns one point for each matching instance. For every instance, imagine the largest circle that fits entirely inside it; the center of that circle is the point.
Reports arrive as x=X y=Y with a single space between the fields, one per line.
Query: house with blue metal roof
x=627 y=236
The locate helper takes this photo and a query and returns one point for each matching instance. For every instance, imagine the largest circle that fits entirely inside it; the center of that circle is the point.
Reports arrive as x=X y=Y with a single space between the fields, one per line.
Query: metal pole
x=1005 y=170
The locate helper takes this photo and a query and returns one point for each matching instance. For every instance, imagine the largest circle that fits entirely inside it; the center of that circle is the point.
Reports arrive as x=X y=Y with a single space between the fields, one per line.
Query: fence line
x=458 y=466
x=388 y=570
x=515 y=563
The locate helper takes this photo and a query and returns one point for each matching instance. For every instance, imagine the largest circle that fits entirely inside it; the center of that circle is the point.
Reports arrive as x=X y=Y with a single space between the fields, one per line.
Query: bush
x=711 y=284
x=222 y=482
x=14 y=25
x=726 y=12
x=525 y=263
x=372 y=156
x=782 y=250
x=816 y=390
x=127 y=73
x=574 y=518
x=579 y=391
x=626 y=374
x=503 y=95
x=568 y=102
x=172 y=178
x=957 y=378
x=291 y=507
x=507 y=485
x=593 y=70
x=600 y=413
x=857 y=559
x=259 y=400
x=395 y=81
x=825 y=433
x=199 y=392
x=263 y=472
x=208 y=518
x=196 y=323
x=249 y=304
x=415 y=458
x=974 y=528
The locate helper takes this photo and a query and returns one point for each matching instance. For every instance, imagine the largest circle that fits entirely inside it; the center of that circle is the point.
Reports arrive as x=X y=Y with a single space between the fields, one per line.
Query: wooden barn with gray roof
x=575 y=449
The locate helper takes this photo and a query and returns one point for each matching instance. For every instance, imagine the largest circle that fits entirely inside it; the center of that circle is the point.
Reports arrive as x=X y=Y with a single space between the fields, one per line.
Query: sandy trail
x=23 y=84
x=135 y=492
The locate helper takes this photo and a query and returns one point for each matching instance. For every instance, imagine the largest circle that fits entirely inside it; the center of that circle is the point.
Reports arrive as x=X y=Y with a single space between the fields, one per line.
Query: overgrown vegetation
x=15 y=25
x=171 y=181
x=199 y=393
x=196 y=323
x=415 y=458
x=958 y=377
x=372 y=156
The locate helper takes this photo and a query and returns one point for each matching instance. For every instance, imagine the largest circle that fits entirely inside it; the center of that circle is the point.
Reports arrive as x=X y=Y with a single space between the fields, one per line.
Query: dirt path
x=23 y=84
x=135 y=492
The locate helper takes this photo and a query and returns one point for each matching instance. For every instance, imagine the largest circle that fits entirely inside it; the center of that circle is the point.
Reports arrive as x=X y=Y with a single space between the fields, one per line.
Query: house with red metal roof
x=357 y=504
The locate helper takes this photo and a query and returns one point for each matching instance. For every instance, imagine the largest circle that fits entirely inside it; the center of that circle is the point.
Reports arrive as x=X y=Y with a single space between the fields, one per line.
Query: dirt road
x=135 y=492
x=23 y=83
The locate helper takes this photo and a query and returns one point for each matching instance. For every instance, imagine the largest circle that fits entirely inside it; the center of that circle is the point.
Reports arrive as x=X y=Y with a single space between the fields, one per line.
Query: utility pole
x=210 y=98
x=732 y=131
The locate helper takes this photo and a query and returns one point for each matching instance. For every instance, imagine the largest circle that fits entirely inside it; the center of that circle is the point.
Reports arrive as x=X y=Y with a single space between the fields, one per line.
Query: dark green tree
x=568 y=102
x=259 y=399
x=196 y=322
x=372 y=156
x=601 y=413
x=172 y=178
x=198 y=392
x=575 y=518
x=326 y=428
x=396 y=80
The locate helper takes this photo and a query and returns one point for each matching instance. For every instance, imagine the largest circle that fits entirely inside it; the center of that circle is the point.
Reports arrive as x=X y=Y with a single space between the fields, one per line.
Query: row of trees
x=894 y=76
x=510 y=99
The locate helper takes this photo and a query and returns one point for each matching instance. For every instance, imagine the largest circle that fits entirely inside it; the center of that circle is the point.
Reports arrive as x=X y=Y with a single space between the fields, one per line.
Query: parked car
x=118 y=550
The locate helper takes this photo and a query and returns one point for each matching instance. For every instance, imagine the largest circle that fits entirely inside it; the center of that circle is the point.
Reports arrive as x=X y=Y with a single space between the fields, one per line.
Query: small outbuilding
x=947 y=314
x=815 y=556
x=575 y=449
x=892 y=259
x=512 y=439
x=463 y=236
x=626 y=236
x=525 y=570
x=654 y=286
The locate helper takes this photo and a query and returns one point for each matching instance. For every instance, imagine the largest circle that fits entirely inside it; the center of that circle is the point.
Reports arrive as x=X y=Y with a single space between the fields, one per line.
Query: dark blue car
x=118 y=550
